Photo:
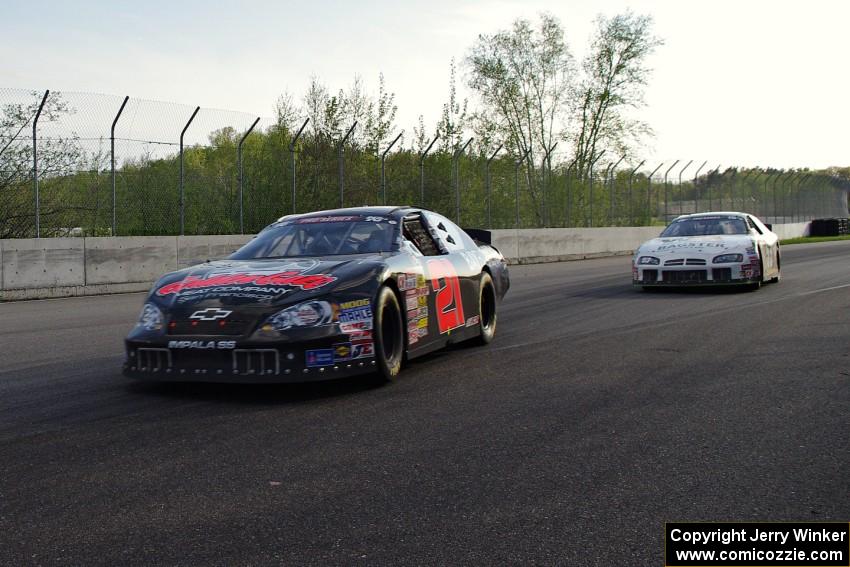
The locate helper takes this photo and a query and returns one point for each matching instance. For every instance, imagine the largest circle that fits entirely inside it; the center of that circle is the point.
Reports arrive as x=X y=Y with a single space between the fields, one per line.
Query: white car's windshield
x=321 y=236
x=704 y=226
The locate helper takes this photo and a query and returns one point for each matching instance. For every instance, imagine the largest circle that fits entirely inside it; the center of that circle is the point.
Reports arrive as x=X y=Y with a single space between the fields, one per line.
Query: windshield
x=321 y=236
x=703 y=226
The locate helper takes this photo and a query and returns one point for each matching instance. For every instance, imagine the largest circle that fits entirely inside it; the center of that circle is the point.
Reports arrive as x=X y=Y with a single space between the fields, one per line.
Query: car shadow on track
x=628 y=291
x=257 y=394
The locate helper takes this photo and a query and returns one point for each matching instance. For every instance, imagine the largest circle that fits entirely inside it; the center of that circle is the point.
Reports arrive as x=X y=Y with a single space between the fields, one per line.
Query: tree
x=453 y=121
x=523 y=77
x=57 y=156
x=380 y=124
x=356 y=107
x=287 y=113
x=315 y=106
x=616 y=73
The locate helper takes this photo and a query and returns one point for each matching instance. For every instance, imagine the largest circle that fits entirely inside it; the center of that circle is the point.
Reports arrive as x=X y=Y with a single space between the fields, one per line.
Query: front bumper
x=689 y=275
x=213 y=359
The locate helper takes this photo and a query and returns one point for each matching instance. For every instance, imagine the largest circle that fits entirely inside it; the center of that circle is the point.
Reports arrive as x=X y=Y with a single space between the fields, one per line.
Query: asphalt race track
x=598 y=413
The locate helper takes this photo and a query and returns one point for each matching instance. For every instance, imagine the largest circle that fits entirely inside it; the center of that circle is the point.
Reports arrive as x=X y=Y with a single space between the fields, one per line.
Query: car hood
x=698 y=246
x=263 y=284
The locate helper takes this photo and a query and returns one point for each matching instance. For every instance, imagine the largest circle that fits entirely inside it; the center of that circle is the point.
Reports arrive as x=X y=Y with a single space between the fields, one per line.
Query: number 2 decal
x=449 y=305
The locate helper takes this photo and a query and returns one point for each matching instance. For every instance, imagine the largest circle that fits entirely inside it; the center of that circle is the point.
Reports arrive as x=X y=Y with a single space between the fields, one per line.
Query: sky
x=747 y=83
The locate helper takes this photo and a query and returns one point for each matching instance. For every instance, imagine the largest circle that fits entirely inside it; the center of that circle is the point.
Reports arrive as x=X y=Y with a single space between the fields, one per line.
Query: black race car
x=322 y=295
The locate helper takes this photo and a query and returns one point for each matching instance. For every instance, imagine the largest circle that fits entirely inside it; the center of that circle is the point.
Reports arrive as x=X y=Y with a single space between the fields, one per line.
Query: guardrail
x=62 y=267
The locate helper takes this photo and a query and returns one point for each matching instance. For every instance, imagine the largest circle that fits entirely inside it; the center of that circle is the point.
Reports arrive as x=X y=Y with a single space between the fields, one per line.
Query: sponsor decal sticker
x=289 y=278
x=203 y=345
x=356 y=326
x=362 y=350
x=355 y=315
x=360 y=336
x=211 y=314
x=412 y=303
x=319 y=357
x=316 y=220
x=342 y=352
x=472 y=321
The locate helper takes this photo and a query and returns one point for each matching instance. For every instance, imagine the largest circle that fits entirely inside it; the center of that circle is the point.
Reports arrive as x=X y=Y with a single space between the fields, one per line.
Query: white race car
x=709 y=249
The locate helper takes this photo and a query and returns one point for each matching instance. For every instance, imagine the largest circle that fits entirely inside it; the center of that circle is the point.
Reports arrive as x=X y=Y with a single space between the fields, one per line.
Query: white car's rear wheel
x=775 y=279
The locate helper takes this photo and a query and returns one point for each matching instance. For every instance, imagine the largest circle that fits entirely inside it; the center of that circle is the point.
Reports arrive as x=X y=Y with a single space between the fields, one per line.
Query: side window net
x=416 y=232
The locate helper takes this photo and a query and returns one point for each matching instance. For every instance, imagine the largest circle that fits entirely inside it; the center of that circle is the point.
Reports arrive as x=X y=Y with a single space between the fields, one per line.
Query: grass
x=811 y=239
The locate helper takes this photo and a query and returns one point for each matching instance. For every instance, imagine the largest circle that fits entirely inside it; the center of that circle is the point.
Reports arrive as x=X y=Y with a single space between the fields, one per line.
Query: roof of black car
x=370 y=210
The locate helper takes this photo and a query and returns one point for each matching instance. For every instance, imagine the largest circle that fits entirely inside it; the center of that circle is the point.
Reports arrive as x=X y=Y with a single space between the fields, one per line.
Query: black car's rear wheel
x=388 y=331
x=487 y=309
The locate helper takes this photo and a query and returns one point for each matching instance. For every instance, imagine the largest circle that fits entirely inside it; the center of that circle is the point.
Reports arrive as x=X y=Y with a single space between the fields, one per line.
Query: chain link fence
x=74 y=164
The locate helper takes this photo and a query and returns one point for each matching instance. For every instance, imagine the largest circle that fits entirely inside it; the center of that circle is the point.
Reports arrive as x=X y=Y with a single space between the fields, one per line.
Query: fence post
x=242 y=176
x=667 y=194
x=547 y=171
x=383 y=173
x=611 y=189
x=605 y=182
x=696 y=189
x=517 y=163
x=710 y=186
x=182 y=194
x=784 y=197
x=687 y=165
x=112 y=162
x=649 y=194
x=799 y=214
x=422 y=170
x=568 y=219
x=631 y=201
x=340 y=149
x=590 y=169
x=775 y=203
x=488 y=188
x=292 y=143
x=35 y=165
x=456 y=168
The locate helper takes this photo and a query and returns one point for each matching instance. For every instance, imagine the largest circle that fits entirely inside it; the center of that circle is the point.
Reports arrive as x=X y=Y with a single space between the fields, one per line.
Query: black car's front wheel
x=388 y=331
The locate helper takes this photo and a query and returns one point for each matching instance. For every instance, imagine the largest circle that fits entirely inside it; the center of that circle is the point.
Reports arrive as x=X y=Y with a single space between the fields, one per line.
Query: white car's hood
x=697 y=246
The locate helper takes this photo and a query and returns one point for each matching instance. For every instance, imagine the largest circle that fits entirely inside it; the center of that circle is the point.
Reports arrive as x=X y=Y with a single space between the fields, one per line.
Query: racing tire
x=388 y=331
x=487 y=316
x=777 y=277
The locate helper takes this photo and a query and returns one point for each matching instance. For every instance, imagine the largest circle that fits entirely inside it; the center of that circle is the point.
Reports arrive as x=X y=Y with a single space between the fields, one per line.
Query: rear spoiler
x=480 y=236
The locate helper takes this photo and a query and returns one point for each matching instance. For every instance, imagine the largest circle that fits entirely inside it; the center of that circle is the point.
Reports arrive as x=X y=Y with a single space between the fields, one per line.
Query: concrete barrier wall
x=792 y=230
x=61 y=267
x=530 y=246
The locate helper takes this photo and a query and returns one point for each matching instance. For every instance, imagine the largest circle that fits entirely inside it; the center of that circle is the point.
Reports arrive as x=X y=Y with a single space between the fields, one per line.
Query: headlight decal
x=648 y=261
x=728 y=259
x=306 y=314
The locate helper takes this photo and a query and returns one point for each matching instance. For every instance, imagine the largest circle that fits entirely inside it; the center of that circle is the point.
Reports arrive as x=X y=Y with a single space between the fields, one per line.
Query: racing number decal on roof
x=449 y=305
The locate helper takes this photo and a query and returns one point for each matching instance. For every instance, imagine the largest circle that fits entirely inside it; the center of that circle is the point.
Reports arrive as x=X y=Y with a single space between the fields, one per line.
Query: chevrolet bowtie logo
x=211 y=314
